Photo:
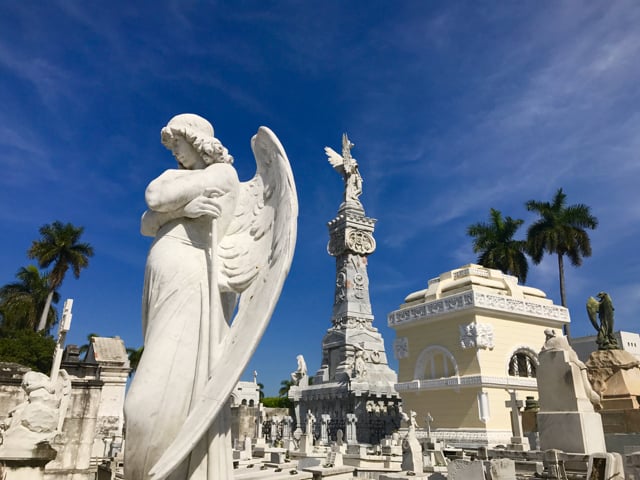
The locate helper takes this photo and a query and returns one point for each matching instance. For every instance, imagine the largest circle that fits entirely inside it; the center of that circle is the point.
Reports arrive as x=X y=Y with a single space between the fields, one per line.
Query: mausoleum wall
x=463 y=342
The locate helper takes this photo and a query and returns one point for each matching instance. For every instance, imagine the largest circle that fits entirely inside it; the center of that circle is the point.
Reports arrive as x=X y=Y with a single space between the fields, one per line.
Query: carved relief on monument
x=341 y=289
x=360 y=241
x=476 y=299
x=479 y=335
x=358 y=286
x=401 y=347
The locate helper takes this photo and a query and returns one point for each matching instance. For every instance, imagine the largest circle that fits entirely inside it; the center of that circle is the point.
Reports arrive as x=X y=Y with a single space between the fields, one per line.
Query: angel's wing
x=592 y=310
x=256 y=255
x=335 y=159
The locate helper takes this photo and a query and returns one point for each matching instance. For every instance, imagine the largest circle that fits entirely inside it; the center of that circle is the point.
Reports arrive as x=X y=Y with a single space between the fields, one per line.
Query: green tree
x=60 y=246
x=22 y=302
x=285 y=385
x=85 y=348
x=277 y=402
x=135 y=354
x=261 y=391
x=560 y=230
x=28 y=348
x=497 y=248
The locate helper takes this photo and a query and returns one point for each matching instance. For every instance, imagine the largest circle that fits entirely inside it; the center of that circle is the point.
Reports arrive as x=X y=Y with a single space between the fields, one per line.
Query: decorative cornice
x=473 y=299
x=468 y=381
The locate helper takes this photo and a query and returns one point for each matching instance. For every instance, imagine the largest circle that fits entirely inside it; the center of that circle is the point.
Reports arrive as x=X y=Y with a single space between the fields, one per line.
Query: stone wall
x=243 y=422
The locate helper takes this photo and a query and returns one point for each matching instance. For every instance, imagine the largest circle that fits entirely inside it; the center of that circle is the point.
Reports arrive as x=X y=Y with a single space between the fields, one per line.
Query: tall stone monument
x=354 y=379
x=567 y=420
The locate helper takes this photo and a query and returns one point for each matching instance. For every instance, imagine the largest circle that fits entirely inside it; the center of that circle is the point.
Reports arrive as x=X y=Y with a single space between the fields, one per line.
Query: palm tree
x=285 y=385
x=85 y=348
x=135 y=354
x=59 y=245
x=22 y=302
x=560 y=230
x=261 y=391
x=496 y=246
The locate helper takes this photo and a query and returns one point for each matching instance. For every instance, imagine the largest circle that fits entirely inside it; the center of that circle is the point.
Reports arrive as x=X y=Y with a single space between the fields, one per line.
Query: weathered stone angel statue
x=40 y=417
x=602 y=310
x=299 y=377
x=221 y=246
x=347 y=166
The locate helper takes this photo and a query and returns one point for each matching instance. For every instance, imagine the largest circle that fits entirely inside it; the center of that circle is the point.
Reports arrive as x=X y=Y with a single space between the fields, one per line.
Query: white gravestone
x=501 y=469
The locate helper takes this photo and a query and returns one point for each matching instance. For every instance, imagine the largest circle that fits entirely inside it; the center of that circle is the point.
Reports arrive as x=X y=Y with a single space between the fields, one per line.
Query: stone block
x=278 y=455
x=501 y=469
x=632 y=465
x=572 y=432
x=465 y=470
x=334 y=473
x=605 y=466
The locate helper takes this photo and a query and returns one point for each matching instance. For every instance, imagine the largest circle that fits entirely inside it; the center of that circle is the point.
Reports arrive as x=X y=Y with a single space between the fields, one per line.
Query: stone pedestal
x=615 y=374
x=572 y=432
x=567 y=420
x=354 y=385
x=25 y=465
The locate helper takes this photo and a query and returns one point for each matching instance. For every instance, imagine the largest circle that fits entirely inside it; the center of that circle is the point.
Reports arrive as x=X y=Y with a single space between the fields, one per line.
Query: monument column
x=354 y=381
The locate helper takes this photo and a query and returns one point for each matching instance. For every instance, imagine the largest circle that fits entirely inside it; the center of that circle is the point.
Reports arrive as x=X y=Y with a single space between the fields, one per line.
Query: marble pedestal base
x=571 y=432
x=22 y=464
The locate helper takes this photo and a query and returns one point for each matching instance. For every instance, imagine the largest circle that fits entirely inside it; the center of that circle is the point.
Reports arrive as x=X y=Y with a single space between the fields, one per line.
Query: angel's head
x=186 y=132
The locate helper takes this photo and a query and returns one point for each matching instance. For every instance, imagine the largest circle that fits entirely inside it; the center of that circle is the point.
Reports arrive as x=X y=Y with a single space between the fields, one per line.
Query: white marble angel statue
x=221 y=246
x=347 y=166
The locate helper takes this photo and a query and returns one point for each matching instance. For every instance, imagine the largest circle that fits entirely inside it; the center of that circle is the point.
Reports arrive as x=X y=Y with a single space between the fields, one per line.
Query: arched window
x=523 y=363
x=435 y=362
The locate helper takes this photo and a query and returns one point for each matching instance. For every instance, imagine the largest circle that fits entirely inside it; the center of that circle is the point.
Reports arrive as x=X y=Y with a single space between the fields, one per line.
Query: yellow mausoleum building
x=462 y=344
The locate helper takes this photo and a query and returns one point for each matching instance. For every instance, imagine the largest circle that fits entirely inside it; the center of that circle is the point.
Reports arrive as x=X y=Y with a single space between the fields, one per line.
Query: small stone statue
x=347 y=166
x=411 y=448
x=299 y=377
x=359 y=365
x=38 y=418
x=603 y=310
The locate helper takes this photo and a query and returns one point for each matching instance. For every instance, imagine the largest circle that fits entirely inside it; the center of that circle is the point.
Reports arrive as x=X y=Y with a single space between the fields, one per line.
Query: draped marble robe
x=176 y=321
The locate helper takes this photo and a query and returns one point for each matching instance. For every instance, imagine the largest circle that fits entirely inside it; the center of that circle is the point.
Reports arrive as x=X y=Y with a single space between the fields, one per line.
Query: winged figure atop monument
x=602 y=310
x=347 y=166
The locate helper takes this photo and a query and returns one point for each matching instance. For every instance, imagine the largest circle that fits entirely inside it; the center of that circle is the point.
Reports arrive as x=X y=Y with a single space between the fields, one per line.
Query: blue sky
x=454 y=107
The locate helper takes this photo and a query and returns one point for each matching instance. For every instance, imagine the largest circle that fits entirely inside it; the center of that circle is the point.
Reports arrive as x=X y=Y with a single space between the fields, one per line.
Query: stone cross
x=63 y=328
x=324 y=429
x=311 y=420
x=428 y=419
x=515 y=406
x=352 y=436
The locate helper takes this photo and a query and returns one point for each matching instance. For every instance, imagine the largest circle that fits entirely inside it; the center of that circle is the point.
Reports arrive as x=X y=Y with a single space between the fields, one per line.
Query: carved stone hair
x=199 y=133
